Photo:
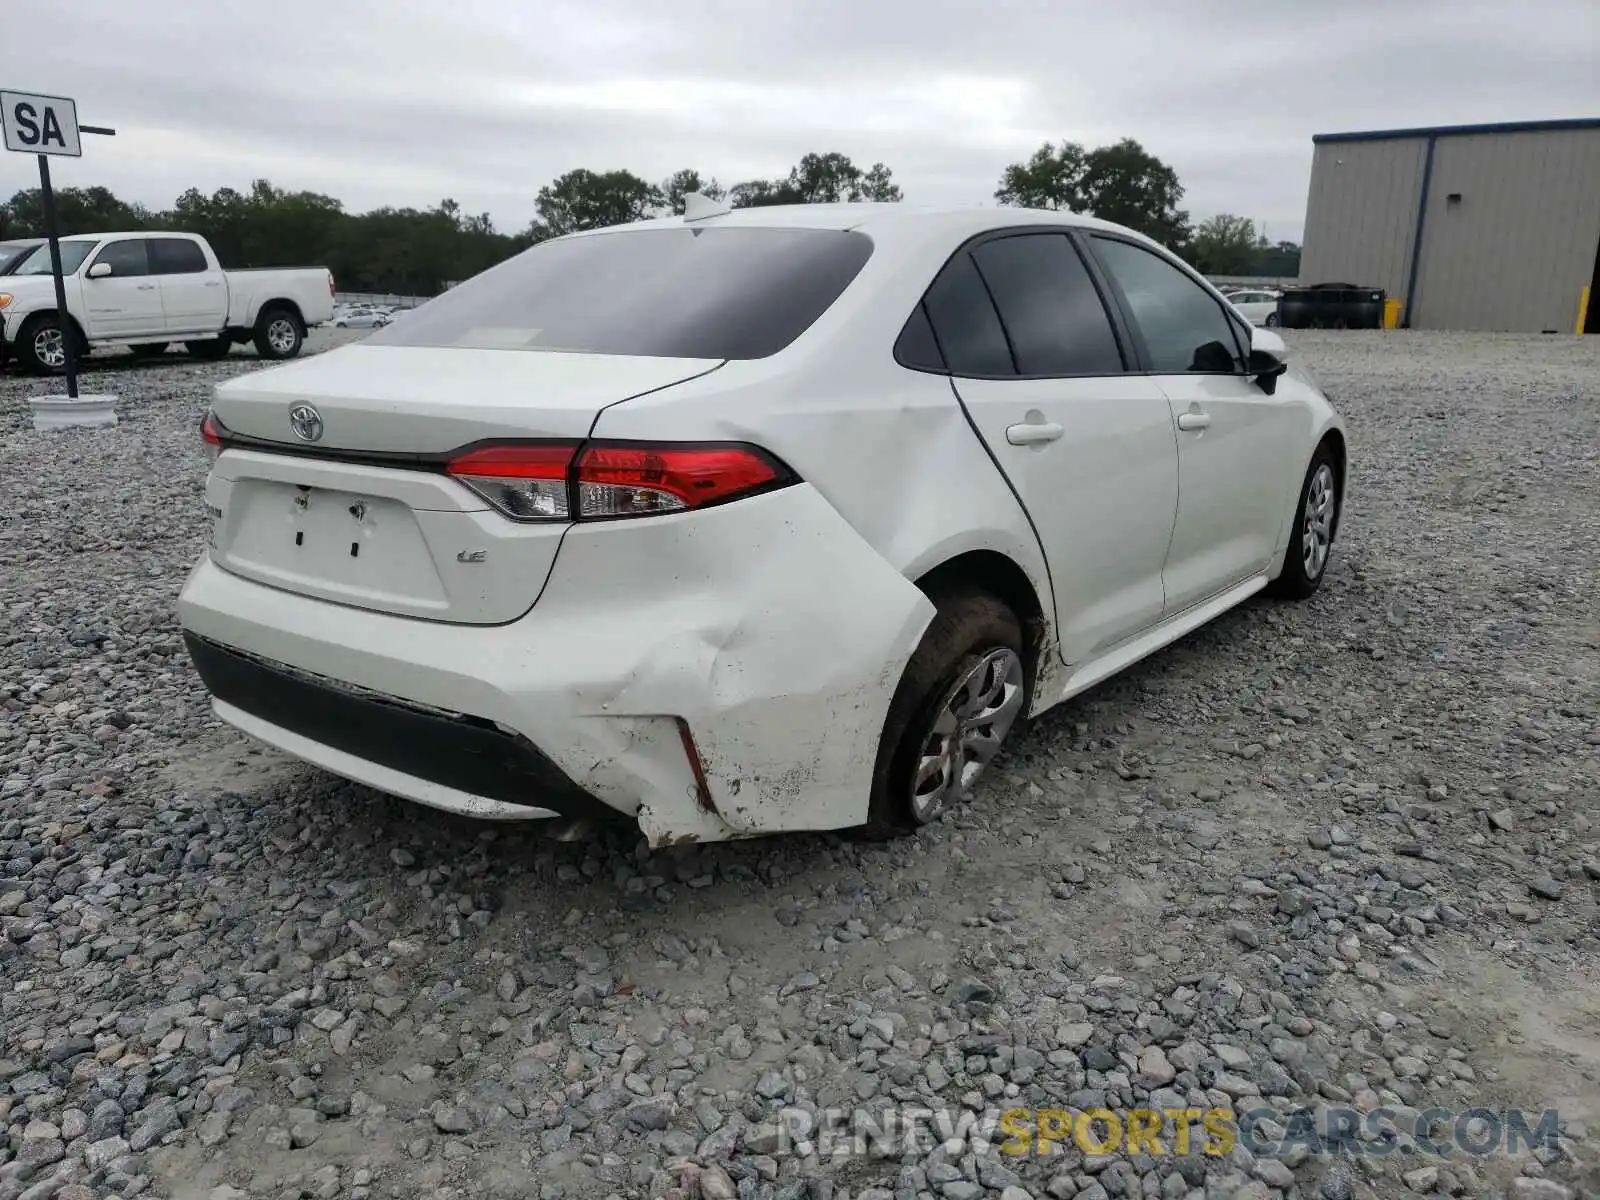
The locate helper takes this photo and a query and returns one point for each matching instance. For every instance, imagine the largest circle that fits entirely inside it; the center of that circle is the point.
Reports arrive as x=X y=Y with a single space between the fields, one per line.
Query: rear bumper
x=766 y=627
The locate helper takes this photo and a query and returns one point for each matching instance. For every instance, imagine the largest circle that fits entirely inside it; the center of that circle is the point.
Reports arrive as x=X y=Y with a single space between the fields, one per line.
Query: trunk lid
x=400 y=536
x=417 y=400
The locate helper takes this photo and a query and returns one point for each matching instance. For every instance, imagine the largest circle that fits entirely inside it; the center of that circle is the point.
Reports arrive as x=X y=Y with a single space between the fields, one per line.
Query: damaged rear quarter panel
x=775 y=632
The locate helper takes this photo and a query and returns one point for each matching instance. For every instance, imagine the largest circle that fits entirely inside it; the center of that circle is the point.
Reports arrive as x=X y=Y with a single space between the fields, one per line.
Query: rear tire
x=278 y=334
x=1316 y=520
x=1272 y=320
x=209 y=349
x=963 y=692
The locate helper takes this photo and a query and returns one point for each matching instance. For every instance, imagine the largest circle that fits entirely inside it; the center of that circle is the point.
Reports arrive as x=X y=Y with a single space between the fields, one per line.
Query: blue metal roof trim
x=1383 y=135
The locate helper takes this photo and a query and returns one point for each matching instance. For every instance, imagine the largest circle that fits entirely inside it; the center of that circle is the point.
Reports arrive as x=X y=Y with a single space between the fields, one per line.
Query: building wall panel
x=1361 y=212
x=1516 y=250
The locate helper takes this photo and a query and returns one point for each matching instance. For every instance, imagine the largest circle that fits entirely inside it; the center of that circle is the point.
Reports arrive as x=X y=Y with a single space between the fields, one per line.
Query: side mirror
x=1269 y=358
x=100 y=271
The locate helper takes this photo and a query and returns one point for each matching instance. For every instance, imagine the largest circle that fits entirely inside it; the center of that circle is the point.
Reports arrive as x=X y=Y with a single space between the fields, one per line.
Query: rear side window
x=1049 y=306
x=965 y=322
x=673 y=293
x=175 y=256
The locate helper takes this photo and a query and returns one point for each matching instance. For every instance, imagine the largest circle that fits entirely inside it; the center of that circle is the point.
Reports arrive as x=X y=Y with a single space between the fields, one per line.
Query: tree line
x=421 y=251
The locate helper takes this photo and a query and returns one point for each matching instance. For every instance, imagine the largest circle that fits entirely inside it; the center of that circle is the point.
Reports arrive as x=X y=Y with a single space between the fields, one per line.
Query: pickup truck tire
x=39 y=345
x=210 y=349
x=279 y=333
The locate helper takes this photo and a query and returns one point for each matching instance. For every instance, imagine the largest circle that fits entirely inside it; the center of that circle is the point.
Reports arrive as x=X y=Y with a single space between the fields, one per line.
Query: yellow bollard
x=1391 y=313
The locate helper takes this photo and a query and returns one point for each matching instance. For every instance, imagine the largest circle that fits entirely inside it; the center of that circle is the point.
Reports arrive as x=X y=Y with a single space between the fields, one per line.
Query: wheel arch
x=41 y=313
x=1000 y=576
x=282 y=302
x=1333 y=439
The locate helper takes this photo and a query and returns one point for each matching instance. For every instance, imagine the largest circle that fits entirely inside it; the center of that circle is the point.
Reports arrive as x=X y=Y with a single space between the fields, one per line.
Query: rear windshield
x=671 y=293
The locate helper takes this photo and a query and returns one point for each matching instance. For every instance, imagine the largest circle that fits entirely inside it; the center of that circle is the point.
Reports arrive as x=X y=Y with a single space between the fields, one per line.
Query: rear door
x=1236 y=444
x=1087 y=446
x=126 y=303
x=194 y=296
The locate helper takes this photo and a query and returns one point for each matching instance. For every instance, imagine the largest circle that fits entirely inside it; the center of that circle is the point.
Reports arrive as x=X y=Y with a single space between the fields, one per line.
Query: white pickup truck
x=147 y=290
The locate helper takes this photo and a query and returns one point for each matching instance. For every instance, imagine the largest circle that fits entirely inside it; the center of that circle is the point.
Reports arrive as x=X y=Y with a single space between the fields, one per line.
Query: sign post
x=47 y=127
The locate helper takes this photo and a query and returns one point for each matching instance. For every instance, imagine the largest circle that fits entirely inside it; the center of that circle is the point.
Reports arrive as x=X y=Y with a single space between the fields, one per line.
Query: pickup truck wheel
x=41 y=346
x=278 y=334
x=210 y=349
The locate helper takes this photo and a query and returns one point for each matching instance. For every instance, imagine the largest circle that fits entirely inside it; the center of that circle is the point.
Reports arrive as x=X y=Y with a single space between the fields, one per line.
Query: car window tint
x=1049 y=307
x=126 y=258
x=965 y=322
x=675 y=292
x=1185 y=330
x=176 y=256
x=917 y=347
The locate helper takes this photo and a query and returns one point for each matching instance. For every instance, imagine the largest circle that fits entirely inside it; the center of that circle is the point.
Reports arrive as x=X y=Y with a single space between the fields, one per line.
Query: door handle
x=213 y=283
x=1191 y=421
x=1033 y=434
x=147 y=287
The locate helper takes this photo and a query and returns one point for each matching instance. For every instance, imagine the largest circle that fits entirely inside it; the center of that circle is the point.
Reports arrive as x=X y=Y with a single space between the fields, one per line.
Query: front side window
x=1185 y=330
x=680 y=292
x=126 y=258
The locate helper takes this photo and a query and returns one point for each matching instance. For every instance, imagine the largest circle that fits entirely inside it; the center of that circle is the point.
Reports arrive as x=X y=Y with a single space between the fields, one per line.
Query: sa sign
x=40 y=124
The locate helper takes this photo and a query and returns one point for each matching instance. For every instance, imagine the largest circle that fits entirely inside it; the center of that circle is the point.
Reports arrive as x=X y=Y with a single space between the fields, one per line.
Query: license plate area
x=357 y=548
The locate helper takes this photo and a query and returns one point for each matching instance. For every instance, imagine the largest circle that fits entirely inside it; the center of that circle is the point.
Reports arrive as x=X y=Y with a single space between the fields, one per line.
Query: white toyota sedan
x=1258 y=307
x=749 y=521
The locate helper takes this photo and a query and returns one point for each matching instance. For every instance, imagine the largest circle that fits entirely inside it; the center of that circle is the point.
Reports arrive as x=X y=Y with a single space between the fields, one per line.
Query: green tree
x=820 y=179
x=1226 y=245
x=758 y=193
x=1127 y=184
x=584 y=199
x=1051 y=179
x=680 y=183
x=78 y=210
x=1122 y=182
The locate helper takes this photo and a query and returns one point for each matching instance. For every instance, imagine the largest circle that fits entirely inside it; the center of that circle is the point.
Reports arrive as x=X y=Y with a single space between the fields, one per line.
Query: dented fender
x=776 y=635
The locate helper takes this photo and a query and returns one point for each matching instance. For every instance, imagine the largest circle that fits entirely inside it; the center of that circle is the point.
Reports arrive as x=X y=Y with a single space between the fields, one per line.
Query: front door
x=1086 y=445
x=1236 y=444
x=126 y=303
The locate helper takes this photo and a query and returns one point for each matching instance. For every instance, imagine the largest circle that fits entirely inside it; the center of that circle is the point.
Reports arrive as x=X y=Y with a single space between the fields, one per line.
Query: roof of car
x=959 y=220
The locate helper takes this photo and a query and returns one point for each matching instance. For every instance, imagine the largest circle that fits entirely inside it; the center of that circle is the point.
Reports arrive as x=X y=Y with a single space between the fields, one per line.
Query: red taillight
x=212 y=433
x=525 y=482
x=565 y=481
x=636 y=481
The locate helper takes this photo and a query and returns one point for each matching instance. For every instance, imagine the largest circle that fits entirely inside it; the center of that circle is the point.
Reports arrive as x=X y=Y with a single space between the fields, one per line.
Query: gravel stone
x=1315 y=855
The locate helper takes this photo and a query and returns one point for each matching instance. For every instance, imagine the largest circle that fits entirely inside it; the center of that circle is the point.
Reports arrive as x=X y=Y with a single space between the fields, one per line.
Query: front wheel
x=1305 y=560
x=278 y=334
x=42 y=346
x=1272 y=320
x=962 y=693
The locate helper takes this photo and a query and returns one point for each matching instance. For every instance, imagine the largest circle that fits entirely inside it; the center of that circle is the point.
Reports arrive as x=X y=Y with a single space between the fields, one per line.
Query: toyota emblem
x=306 y=422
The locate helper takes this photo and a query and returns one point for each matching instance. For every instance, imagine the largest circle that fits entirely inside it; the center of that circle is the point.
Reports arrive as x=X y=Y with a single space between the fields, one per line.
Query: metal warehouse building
x=1471 y=227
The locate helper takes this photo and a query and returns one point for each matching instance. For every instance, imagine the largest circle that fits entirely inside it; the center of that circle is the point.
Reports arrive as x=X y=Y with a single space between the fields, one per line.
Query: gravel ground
x=1335 y=854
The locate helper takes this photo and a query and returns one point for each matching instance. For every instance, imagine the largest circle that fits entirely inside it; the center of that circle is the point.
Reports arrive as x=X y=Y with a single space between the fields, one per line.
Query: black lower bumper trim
x=467 y=753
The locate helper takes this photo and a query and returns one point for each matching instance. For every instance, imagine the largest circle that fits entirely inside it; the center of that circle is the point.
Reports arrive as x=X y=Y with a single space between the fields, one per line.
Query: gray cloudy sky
x=407 y=101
